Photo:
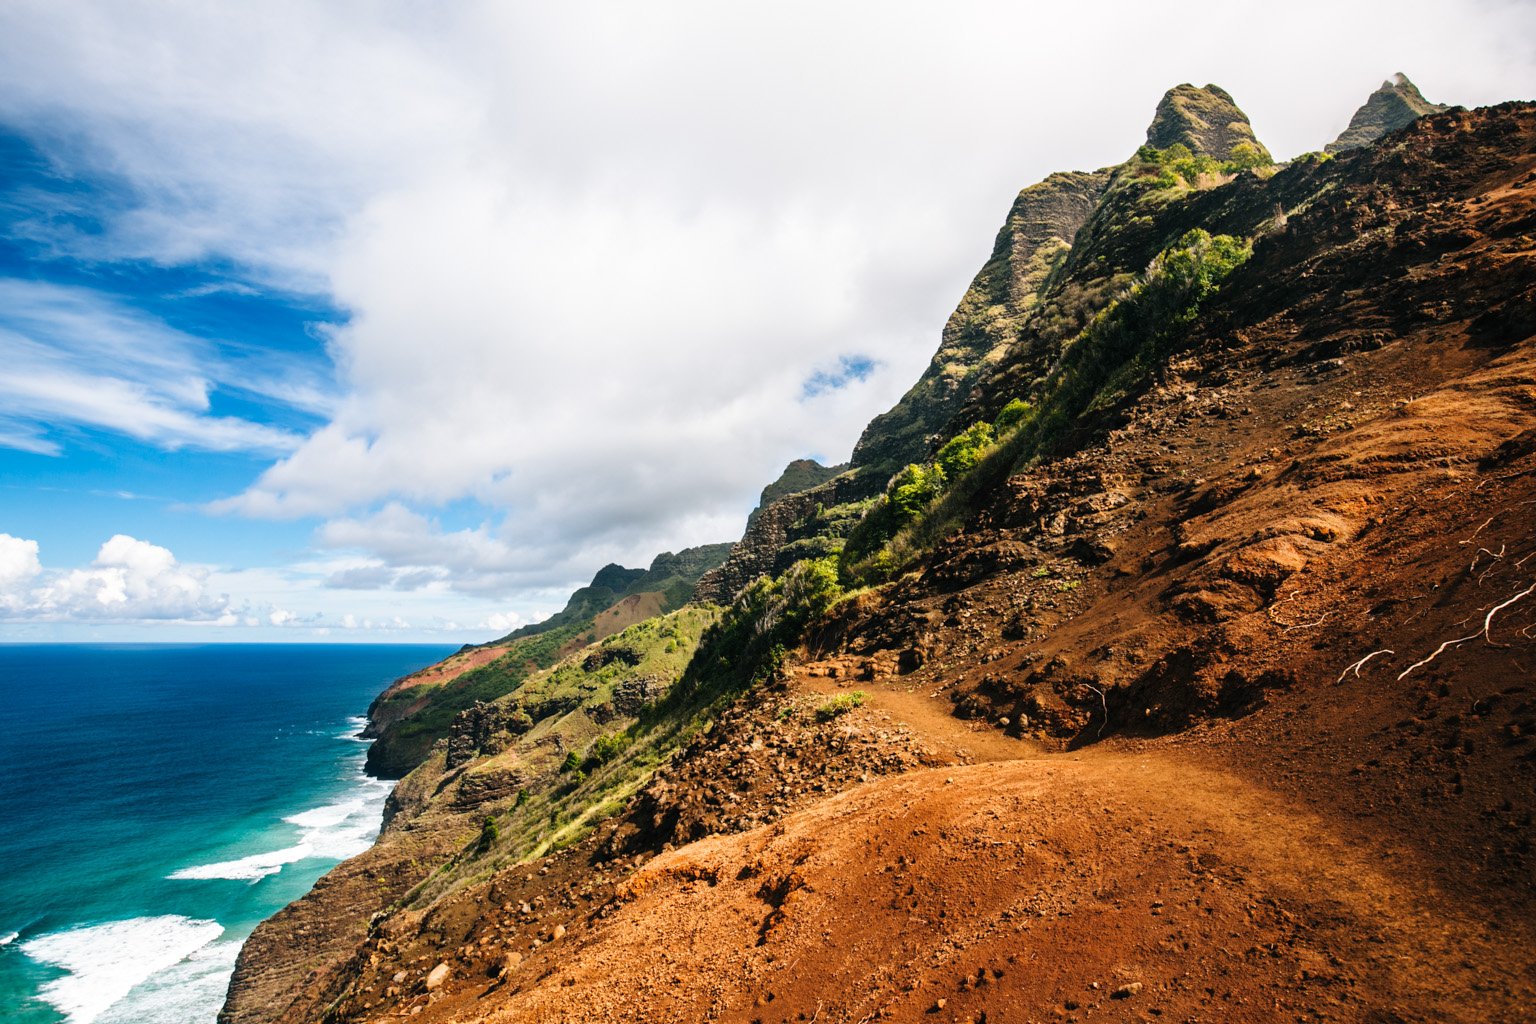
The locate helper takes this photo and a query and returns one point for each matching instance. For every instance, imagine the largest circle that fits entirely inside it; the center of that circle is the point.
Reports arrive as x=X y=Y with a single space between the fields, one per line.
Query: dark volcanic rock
x=1397 y=104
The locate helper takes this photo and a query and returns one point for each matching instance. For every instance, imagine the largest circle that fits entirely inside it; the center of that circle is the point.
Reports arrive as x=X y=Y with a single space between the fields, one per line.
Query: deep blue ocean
x=158 y=801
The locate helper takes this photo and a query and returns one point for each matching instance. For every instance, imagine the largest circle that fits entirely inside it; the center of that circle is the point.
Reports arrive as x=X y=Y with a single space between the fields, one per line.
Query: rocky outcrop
x=1397 y=104
x=799 y=475
x=1207 y=120
x=1035 y=236
x=766 y=548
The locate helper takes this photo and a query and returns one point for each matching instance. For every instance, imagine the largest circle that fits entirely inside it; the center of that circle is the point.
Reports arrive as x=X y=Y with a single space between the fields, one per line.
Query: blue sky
x=389 y=322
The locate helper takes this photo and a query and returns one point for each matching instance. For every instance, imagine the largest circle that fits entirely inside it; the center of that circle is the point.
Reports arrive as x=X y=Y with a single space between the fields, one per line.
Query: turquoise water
x=158 y=801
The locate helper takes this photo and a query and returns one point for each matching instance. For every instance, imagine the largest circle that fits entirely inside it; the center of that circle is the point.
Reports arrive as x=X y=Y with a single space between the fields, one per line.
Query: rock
x=399 y=978
x=511 y=962
x=1206 y=120
x=1126 y=991
x=558 y=933
x=437 y=977
x=1397 y=104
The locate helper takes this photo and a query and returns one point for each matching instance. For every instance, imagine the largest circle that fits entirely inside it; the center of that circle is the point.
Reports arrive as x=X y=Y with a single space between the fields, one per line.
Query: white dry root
x=1102 y=700
x=1357 y=666
x=1484 y=632
x=1308 y=625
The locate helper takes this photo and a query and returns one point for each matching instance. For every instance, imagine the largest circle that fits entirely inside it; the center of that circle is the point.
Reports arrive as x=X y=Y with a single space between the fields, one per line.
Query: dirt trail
x=917 y=706
x=1109 y=885
x=1432 y=942
x=1129 y=882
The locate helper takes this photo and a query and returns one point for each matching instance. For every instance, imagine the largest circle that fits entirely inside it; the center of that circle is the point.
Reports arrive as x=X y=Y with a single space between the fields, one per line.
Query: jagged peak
x=1204 y=118
x=1396 y=104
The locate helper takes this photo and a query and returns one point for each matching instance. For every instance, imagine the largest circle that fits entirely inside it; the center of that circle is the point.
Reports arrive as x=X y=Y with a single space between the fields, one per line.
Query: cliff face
x=1200 y=693
x=1397 y=104
x=1033 y=241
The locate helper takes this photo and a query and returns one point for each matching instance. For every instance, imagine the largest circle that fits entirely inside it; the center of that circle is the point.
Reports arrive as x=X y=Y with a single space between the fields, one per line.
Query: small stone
x=511 y=962
x=940 y=1004
x=399 y=978
x=437 y=977
x=1126 y=991
x=557 y=934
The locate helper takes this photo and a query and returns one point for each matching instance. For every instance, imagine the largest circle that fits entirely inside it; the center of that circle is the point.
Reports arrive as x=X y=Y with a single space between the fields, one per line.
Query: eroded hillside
x=1197 y=686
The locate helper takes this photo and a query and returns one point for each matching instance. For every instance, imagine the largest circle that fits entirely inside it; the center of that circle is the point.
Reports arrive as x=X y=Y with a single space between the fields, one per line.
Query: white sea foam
x=355 y=727
x=347 y=827
x=8 y=938
x=247 y=869
x=334 y=831
x=191 y=991
x=105 y=961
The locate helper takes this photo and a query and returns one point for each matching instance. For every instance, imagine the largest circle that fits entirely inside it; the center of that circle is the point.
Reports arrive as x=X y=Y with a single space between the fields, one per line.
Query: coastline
x=151 y=936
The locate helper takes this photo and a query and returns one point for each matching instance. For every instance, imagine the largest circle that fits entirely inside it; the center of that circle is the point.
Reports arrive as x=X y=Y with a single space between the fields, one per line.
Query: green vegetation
x=408 y=734
x=841 y=705
x=489 y=833
x=1012 y=416
x=579 y=739
x=1178 y=169
x=961 y=452
x=1110 y=358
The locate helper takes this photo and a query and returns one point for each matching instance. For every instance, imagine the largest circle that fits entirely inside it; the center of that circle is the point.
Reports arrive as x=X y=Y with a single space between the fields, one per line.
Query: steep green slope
x=1070 y=248
x=1030 y=246
x=408 y=718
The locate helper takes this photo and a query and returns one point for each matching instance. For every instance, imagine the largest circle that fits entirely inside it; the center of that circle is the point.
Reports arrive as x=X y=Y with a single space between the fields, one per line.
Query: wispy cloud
x=849 y=370
x=77 y=358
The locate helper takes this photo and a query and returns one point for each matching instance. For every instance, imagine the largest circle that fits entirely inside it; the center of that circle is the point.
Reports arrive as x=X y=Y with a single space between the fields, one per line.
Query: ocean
x=158 y=801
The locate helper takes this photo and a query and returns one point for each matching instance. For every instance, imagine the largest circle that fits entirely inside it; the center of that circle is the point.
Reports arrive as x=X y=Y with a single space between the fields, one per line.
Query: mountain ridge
x=1138 y=707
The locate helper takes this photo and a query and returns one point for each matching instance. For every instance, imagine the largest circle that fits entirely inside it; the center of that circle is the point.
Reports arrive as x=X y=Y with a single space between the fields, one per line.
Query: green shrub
x=964 y=450
x=605 y=748
x=840 y=705
x=1246 y=155
x=911 y=490
x=489 y=833
x=1012 y=414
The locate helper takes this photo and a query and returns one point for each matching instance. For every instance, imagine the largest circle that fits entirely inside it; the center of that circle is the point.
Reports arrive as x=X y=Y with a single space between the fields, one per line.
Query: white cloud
x=130 y=580
x=75 y=357
x=18 y=568
x=594 y=251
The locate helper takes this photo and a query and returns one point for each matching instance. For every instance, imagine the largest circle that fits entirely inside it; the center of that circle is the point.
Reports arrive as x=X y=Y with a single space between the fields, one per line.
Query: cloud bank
x=130 y=581
x=609 y=266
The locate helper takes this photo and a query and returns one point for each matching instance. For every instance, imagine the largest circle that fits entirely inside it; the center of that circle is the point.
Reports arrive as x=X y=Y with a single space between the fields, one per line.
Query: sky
x=371 y=321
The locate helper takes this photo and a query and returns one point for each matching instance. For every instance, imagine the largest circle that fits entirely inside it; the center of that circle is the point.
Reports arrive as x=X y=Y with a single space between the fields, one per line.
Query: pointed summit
x=1397 y=103
x=1206 y=120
